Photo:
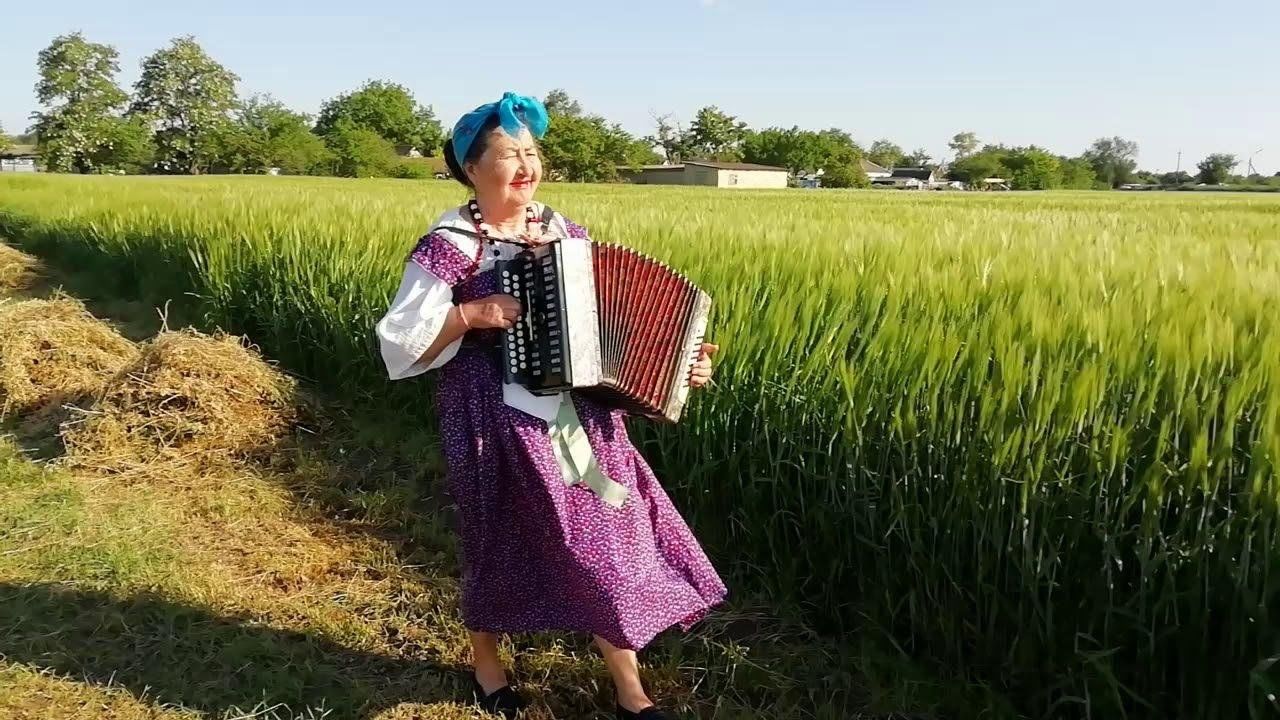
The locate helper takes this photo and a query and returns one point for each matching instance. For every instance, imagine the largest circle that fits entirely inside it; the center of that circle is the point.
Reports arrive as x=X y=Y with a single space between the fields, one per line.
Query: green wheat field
x=1025 y=439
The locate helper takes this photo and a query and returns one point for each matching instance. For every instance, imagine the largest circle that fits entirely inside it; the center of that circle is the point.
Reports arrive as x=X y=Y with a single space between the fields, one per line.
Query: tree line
x=184 y=116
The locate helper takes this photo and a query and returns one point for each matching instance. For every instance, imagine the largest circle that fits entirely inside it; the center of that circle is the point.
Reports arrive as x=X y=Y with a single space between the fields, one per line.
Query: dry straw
x=189 y=399
x=54 y=353
x=18 y=270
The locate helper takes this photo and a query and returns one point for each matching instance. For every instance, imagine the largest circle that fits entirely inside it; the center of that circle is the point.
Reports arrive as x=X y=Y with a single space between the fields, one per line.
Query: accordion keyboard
x=534 y=348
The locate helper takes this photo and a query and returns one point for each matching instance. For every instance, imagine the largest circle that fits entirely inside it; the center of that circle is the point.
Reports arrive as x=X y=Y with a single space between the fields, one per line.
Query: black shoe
x=650 y=713
x=504 y=701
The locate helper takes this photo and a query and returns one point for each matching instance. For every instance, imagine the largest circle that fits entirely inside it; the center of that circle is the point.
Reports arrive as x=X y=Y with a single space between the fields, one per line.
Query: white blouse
x=422 y=303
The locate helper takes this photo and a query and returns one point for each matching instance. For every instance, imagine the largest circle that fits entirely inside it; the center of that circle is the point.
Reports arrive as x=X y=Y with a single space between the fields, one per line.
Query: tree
x=186 y=96
x=1114 y=160
x=586 y=148
x=1033 y=169
x=297 y=151
x=77 y=85
x=360 y=152
x=1180 y=177
x=572 y=149
x=919 y=158
x=5 y=141
x=671 y=138
x=885 y=154
x=127 y=147
x=559 y=103
x=1077 y=173
x=264 y=134
x=841 y=160
x=289 y=144
x=979 y=166
x=964 y=144
x=716 y=135
x=387 y=109
x=794 y=149
x=831 y=151
x=1216 y=169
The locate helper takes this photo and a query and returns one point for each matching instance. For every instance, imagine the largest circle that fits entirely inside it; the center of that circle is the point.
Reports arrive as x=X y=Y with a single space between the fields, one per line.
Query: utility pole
x=1179 y=168
x=1251 y=170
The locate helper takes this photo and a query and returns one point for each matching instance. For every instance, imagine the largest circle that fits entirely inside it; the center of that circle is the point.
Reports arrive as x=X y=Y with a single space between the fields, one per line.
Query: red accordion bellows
x=610 y=322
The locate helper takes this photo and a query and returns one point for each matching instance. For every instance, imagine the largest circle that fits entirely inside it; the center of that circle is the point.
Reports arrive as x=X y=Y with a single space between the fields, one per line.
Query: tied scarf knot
x=514 y=112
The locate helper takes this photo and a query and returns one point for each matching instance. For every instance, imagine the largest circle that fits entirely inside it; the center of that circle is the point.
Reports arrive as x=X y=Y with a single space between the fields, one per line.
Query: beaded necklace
x=531 y=221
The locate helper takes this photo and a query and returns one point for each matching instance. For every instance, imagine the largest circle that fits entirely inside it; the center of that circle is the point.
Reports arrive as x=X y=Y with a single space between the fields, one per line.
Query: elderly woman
x=545 y=545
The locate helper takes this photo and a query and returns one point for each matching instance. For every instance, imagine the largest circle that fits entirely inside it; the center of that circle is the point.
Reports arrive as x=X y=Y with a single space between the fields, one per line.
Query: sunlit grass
x=1030 y=436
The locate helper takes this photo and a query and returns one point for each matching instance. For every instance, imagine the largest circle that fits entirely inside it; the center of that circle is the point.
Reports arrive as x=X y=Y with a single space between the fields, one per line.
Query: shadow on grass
x=173 y=653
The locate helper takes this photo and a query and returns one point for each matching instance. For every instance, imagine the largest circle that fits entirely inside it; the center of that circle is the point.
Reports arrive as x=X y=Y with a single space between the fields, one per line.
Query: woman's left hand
x=701 y=374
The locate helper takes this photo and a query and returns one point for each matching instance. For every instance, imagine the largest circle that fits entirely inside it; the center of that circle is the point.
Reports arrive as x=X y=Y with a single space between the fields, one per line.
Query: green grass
x=1029 y=438
x=247 y=592
x=320 y=583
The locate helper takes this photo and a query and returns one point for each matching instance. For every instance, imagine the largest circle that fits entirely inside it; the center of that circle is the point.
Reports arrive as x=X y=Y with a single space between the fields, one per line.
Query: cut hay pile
x=190 y=399
x=18 y=270
x=53 y=352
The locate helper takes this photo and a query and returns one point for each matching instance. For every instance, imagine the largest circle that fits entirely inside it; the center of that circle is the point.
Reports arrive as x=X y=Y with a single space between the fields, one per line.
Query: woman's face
x=509 y=169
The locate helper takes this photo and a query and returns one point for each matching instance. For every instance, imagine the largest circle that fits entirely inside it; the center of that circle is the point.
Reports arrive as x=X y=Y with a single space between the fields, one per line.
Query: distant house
x=873 y=170
x=914 y=178
x=899 y=183
x=813 y=179
x=708 y=173
x=19 y=158
x=926 y=175
x=653 y=174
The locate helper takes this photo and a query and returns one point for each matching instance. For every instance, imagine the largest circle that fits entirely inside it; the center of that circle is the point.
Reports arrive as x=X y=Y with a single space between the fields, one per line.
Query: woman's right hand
x=495 y=311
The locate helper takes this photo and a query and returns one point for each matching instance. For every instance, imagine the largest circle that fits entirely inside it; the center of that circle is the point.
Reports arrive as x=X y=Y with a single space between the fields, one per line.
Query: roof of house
x=733 y=166
x=870 y=167
x=919 y=173
x=19 y=151
x=651 y=167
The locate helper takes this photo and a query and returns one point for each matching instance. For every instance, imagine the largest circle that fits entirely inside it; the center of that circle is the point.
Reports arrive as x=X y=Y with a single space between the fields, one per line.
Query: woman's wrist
x=462 y=315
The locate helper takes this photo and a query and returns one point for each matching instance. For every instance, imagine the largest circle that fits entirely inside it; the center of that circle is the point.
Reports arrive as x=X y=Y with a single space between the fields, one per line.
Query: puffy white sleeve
x=412 y=323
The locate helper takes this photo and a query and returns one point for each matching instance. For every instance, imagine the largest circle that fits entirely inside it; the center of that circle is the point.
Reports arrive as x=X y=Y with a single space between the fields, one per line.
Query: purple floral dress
x=539 y=554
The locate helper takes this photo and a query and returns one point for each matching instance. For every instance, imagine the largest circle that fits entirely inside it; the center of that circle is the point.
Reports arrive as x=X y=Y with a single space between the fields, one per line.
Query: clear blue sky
x=1174 y=75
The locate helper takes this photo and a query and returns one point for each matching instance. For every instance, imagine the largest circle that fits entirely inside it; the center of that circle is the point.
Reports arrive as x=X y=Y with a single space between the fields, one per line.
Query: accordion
x=603 y=320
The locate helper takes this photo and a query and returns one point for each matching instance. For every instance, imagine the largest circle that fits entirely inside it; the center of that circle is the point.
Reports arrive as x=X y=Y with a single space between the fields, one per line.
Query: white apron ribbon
x=572 y=448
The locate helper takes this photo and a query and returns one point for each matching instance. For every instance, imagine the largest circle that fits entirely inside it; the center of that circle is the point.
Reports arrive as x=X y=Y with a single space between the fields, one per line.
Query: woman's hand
x=701 y=374
x=495 y=311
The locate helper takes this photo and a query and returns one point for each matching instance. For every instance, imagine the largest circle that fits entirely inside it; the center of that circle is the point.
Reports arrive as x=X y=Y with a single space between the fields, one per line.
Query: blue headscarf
x=513 y=111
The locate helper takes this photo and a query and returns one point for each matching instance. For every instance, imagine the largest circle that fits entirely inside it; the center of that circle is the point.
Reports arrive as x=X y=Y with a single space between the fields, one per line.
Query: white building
x=708 y=173
x=19 y=158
